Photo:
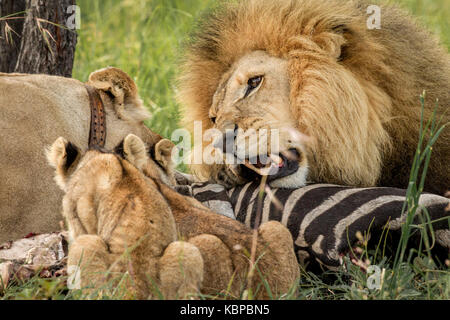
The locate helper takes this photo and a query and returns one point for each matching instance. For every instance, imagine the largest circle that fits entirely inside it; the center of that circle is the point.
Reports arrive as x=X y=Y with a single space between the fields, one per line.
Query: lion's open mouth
x=274 y=167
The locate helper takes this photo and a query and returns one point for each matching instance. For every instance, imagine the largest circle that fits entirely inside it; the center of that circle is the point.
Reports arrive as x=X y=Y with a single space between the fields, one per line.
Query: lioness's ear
x=62 y=155
x=134 y=151
x=122 y=90
x=163 y=153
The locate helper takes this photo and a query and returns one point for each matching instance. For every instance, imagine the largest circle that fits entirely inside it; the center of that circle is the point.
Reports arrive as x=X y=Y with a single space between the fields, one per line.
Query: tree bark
x=10 y=31
x=45 y=47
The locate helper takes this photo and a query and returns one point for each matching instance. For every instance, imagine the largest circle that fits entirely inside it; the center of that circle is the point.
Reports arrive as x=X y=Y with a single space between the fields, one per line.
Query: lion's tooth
x=277 y=160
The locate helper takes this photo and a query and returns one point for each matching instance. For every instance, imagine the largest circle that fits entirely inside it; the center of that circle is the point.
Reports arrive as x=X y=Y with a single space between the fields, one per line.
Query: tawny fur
x=122 y=231
x=123 y=221
x=354 y=91
x=225 y=245
x=34 y=111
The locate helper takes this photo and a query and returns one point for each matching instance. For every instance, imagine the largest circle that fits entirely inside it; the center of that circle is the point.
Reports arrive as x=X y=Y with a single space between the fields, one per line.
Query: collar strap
x=97 y=130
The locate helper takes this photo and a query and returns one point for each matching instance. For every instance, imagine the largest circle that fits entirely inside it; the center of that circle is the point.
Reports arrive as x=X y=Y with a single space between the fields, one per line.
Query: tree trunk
x=10 y=31
x=44 y=46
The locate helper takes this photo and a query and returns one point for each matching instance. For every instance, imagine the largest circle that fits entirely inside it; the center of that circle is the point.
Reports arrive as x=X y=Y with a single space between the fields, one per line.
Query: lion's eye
x=252 y=84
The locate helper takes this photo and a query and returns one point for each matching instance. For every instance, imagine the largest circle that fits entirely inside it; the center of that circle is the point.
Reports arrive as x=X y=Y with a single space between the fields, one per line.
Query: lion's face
x=254 y=95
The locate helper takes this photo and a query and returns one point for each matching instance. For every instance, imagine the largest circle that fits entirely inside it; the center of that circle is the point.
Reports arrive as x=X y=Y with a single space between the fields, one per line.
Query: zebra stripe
x=240 y=199
x=251 y=210
x=266 y=209
x=364 y=210
x=336 y=209
x=324 y=218
x=316 y=212
x=205 y=187
x=425 y=200
x=310 y=200
x=293 y=199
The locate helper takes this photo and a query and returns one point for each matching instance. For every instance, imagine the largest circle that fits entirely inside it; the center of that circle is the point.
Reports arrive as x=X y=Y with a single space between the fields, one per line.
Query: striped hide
x=323 y=219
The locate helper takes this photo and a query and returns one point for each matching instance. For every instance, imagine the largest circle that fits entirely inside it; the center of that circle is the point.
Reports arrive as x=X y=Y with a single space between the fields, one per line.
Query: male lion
x=34 y=111
x=114 y=210
x=314 y=66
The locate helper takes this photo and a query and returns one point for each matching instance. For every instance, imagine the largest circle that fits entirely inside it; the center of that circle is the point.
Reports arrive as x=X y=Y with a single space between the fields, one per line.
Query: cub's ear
x=62 y=155
x=134 y=151
x=123 y=92
x=163 y=154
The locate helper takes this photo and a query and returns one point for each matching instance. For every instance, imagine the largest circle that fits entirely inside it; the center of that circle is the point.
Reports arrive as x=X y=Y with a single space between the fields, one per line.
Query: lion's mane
x=355 y=91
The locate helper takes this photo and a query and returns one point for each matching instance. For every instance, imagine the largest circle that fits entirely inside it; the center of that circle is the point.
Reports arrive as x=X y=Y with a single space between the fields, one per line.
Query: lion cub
x=225 y=244
x=112 y=209
x=121 y=228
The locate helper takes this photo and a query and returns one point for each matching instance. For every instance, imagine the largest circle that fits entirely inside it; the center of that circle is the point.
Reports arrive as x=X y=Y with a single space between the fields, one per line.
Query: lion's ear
x=342 y=35
x=134 y=151
x=122 y=90
x=335 y=40
x=163 y=153
x=62 y=155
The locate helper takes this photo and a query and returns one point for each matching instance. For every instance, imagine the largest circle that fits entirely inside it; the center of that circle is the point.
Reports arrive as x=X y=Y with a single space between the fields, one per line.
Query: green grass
x=434 y=14
x=144 y=37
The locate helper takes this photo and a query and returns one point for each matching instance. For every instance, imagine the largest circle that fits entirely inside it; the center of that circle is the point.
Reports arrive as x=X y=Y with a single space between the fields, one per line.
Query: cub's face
x=112 y=177
x=70 y=162
x=254 y=95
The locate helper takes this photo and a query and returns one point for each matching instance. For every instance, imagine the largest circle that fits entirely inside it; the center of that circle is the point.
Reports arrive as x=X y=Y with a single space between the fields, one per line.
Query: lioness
x=34 y=111
x=315 y=67
x=109 y=207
